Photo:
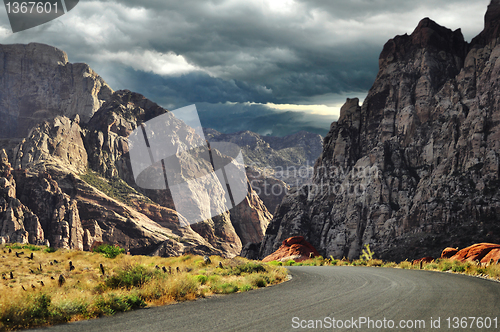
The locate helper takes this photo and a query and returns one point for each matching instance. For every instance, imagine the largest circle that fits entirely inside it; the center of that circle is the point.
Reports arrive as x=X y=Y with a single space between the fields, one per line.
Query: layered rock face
x=416 y=167
x=38 y=83
x=17 y=222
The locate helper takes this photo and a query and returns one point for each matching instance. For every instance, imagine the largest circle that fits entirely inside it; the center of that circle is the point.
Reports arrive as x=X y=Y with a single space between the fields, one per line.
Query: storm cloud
x=226 y=54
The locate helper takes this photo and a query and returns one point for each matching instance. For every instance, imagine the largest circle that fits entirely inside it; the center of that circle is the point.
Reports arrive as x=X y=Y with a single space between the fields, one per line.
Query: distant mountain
x=296 y=150
x=416 y=168
x=275 y=164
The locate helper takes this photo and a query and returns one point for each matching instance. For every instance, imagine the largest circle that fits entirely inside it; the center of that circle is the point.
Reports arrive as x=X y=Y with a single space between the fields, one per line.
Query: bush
x=225 y=288
x=135 y=276
x=114 y=303
x=445 y=265
x=260 y=282
x=32 y=311
x=375 y=262
x=249 y=267
x=202 y=279
x=367 y=254
x=182 y=288
x=49 y=250
x=246 y=288
x=275 y=263
x=109 y=251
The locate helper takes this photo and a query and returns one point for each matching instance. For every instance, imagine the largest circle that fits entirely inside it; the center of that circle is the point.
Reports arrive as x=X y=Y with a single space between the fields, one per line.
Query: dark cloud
x=218 y=51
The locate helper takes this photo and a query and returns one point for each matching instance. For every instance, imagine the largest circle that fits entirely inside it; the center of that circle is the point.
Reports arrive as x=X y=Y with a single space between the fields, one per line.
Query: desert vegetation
x=42 y=286
x=490 y=271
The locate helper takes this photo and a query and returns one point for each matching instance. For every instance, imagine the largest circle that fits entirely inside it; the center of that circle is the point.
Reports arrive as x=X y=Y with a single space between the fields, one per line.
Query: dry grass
x=128 y=282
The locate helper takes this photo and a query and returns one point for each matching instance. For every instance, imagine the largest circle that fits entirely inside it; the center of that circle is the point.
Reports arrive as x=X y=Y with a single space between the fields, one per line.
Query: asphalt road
x=346 y=294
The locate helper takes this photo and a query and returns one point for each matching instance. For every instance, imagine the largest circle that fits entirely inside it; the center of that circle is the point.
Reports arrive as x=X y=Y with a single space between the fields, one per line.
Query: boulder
x=448 y=252
x=296 y=248
x=476 y=252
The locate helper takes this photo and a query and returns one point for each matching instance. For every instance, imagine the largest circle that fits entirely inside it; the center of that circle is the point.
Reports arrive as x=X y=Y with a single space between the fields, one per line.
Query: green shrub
x=109 y=251
x=275 y=263
x=14 y=246
x=260 y=282
x=135 y=276
x=49 y=250
x=246 y=288
x=290 y=262
x=333 y=261
x=250 y=267
x=445 y=265
x=202 y=279
x=225 y=288
x=359 y=262
x=115 y=303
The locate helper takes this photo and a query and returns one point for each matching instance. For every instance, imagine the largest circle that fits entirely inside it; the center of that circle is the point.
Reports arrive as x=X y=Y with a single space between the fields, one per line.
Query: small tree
x=367 y=254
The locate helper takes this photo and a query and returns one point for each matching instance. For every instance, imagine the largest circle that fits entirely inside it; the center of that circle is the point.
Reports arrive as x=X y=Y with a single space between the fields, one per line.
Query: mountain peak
x=429 y=35
x=491 y=25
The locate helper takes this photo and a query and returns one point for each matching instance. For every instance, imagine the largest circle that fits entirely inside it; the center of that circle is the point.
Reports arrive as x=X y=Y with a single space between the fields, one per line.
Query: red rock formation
x=448 y=252
x=477 y=251
x=494 y=255
x=296 y=248
x=423 y=260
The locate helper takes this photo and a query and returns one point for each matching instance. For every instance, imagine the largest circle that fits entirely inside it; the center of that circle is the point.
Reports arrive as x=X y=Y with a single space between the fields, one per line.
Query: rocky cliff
x=416 y=167
x=71 y=185
x=38 y=83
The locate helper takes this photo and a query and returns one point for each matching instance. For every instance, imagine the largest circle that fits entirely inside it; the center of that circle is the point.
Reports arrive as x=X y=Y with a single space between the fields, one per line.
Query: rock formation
x=479 y=252
x=17 y=222
x=296 y=248
x=73 y=186
x=416 y=167
x=38 y=83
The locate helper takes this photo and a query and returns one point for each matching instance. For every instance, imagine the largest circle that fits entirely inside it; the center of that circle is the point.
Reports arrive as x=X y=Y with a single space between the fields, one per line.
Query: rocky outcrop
x=250 y=218
x=481 y=252
x=423 y=260
x=57 y=212
x=17 y=222
x=55 y=143
x=296 y=248
x=416 y=167
x=448 y=252
x=106 y=141
x=38 y=83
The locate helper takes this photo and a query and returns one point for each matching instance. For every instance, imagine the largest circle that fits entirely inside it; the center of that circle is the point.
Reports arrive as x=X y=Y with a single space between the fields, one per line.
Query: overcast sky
x=270 y=66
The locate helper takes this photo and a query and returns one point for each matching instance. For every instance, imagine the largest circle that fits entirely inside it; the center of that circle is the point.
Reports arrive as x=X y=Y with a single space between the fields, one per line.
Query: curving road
x=317 y=295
